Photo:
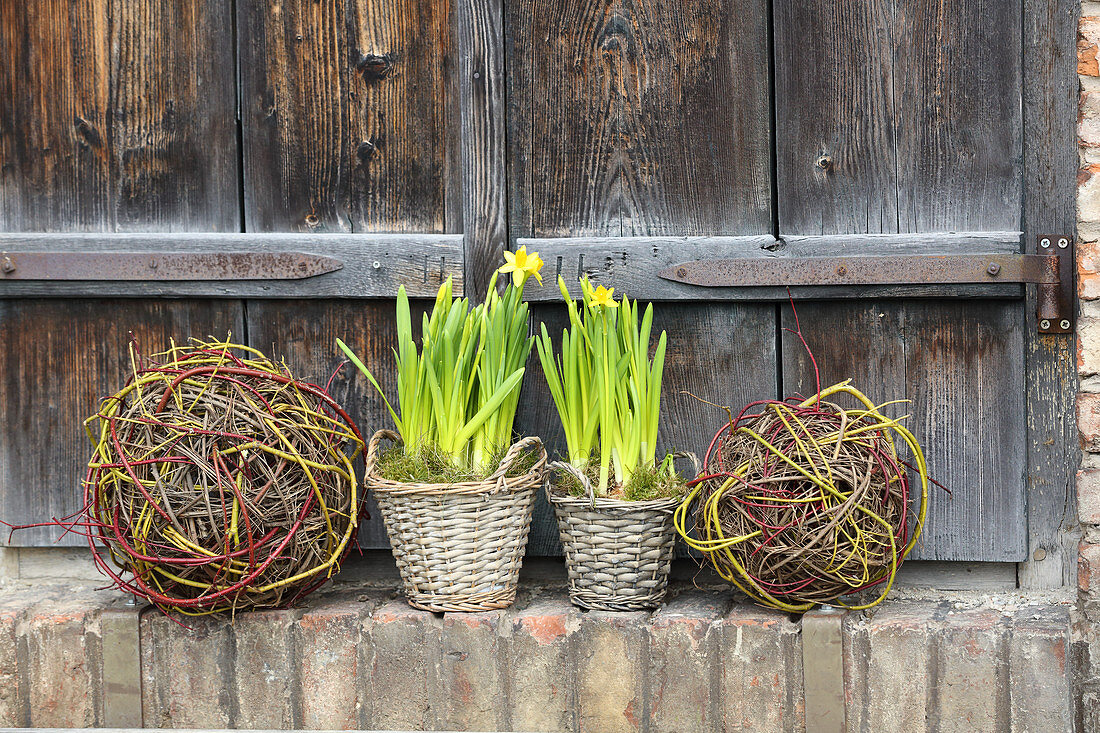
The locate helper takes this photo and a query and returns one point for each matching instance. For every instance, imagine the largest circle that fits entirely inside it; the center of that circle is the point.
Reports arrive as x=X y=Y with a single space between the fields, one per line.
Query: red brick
x=331 y=643
x=266 y=675
x=1088 y=43
x=888 y=658
x=1039 y=669
x=972 y=675
x=541 y=688
x=188 y=671
x=610 y=671
x=1088 y=420
x=404 y=671
x=1088 y=567
x=61 y=670
x=472 y=672
x=761 y=678
x=14 y=712
x=683 y=662
x=1088 y=495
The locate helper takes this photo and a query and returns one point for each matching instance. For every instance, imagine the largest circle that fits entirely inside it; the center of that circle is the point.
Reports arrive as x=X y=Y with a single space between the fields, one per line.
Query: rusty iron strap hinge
x=1052 y=270
x=138 y=266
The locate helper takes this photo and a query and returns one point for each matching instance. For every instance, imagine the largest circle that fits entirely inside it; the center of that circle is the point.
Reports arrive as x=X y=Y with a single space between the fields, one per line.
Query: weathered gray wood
x=966 y=576
x=305 y=332
x=117 y=116
x=722 y=353
x=60 y=358
x=897 y=116
x=1050 y=164
x=961 y=365
x=630 y=264
x=638 y=117
x=374 y=264
x=344 y=115
x=480 y=30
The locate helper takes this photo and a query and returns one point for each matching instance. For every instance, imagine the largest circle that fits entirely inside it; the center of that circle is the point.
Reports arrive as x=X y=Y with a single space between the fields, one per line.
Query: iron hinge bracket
x=1051 y=269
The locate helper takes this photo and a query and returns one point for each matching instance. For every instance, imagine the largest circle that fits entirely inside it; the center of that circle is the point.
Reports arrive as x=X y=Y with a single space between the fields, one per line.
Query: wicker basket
x=617 y=553
x=459 y=546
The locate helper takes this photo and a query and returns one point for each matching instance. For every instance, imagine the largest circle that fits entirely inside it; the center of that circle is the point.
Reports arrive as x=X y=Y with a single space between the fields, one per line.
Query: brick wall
x=1088 y=358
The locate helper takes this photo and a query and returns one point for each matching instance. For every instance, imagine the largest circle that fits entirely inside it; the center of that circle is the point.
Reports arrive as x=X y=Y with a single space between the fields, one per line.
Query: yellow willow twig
x=850 y=563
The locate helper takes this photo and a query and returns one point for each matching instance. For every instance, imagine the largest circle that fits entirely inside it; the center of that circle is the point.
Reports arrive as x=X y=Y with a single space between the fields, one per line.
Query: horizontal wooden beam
x=373 y=265
x=631 y=264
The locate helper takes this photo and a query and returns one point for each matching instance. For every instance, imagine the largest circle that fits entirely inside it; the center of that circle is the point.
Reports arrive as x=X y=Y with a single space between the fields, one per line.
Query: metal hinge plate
x=1052 y=270
x=164 y=266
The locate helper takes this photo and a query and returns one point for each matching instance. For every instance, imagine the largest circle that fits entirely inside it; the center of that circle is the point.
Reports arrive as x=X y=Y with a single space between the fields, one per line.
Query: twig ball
x=805 y=502
x=218 y=482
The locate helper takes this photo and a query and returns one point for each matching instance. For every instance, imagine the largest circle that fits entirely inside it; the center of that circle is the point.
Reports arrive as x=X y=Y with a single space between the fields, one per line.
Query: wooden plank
x=720 y=353
x=344 y=116
x=638 y=117
x=960 y=364
x=374 y=264
x=631 y=263
x=60 y=358
x=480 y=29
x=1050 y=163
x=898 y=117
x=117 y=115
x=304 y=333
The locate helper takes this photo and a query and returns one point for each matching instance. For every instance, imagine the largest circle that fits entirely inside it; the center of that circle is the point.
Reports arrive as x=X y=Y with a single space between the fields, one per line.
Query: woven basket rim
x=497 y=483
x=603 y=502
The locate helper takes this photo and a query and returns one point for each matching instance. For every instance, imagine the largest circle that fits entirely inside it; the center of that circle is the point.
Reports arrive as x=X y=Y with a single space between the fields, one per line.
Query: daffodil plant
x=605 y=385
x=459 y=392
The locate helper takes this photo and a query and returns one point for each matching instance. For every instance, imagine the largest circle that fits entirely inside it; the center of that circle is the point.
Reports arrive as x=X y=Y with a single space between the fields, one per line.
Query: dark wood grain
x=117 y=116
x=344 y=115
x=61 y=357
x=638 y=117
x=480 y=30
x=721 y=353
x=373 y=265
x=114 y=116
x=961 y=365
x=304 y=333
x=897 y=116
x=1049 y=163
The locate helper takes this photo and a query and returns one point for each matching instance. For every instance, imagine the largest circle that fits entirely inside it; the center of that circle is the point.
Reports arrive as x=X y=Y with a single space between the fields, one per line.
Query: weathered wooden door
x=615 y=136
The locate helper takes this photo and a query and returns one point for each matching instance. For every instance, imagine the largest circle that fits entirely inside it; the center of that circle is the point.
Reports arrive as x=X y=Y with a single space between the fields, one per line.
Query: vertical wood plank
x=349 y=123
x=960 y=364
x=345 y=115
x=304 y=334
x=115 y=116
x=61 y=357
x=1050 y=163
x=721 y=353
x=480 y=28
x=638 y=117
x=897 y=116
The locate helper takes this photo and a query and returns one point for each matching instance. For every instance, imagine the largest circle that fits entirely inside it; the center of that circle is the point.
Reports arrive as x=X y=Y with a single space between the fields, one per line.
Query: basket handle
x=572 y=470
x=374 y=448
x=514 y=452
x=698 y=467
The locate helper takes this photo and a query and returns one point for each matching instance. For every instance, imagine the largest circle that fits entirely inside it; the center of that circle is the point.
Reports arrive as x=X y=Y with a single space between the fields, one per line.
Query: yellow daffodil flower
x=522 y=266
x=605 y=297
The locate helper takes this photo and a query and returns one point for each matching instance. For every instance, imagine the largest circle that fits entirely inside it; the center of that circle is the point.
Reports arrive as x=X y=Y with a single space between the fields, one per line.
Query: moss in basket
x=432 y=465
x=458 y=389
x=645 y=484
